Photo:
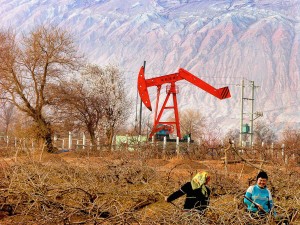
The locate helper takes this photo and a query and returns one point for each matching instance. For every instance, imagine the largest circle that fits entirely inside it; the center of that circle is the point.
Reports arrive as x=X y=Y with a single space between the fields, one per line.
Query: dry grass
x=124 y=187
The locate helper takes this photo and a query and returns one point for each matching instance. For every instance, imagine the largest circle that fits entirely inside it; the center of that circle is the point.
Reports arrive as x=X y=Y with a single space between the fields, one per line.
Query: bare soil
x=130 y=188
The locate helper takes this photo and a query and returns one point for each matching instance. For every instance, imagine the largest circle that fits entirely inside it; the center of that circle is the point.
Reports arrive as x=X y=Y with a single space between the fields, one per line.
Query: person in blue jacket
x=258 y=197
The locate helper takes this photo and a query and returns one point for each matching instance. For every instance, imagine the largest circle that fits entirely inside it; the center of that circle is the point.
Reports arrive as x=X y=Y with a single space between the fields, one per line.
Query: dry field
x=122 y=187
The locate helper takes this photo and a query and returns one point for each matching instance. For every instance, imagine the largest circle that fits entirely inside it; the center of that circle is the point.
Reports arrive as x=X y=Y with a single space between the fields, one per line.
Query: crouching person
x=196 y=191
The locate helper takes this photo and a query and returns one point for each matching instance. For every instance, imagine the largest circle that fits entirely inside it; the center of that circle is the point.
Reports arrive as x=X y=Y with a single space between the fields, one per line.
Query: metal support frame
x=172 y=91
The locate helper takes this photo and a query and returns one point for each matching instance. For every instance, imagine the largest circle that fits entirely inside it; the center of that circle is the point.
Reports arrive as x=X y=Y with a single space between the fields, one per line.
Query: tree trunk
x=48 y=141
x=45 y=132
x=109 y=135
x=93 y=139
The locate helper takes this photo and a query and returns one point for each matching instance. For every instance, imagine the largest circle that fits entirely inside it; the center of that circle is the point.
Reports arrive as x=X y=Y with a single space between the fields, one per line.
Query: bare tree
x=192 y=122
x=27 y=68
x=77 y=103
x=211 y=135
x=233 y=135
x=96 y=99
x=116 y=106
x=264 y=133
x=291 y=137
x=7 y=113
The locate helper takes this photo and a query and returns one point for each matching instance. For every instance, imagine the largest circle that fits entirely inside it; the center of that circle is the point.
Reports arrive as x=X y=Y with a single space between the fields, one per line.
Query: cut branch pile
x=128 y=191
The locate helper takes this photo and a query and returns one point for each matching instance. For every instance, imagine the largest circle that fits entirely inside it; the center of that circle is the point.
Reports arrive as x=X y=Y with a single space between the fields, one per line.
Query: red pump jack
x=171 y=89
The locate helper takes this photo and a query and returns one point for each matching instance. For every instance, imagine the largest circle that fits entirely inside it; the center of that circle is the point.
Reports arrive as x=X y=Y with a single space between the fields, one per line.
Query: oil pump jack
x=171 y=89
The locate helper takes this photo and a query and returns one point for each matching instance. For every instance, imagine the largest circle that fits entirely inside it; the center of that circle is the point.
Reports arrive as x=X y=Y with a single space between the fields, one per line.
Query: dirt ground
x=72 y=188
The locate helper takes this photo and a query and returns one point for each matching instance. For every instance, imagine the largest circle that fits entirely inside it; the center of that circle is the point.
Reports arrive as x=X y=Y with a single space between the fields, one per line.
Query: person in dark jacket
x=197 y=193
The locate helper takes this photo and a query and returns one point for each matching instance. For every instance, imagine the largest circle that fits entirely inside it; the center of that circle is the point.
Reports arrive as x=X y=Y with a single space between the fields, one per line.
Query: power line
x=284 y=107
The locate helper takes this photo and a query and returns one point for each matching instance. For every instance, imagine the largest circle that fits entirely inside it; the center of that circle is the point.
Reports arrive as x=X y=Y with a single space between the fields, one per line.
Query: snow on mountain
x=220 y=41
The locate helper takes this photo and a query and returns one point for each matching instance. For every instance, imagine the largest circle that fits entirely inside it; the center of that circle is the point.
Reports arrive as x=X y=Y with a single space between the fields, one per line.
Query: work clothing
x=195 y=199
x=261 y=196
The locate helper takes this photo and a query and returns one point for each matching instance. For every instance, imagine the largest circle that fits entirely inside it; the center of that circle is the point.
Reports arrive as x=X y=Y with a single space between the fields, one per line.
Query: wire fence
x=257 y=153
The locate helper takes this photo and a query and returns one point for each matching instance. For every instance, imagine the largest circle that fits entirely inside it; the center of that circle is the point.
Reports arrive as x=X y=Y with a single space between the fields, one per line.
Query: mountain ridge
x=221 y=42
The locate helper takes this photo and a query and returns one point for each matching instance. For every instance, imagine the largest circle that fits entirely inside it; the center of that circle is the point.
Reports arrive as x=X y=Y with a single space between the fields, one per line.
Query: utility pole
x=140 y=125
x=136 y=110
x=244 y=129
x=242 y=113
x=252 y=112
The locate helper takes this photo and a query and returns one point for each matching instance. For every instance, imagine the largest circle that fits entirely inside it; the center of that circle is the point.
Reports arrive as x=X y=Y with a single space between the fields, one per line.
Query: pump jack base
x=161 y=138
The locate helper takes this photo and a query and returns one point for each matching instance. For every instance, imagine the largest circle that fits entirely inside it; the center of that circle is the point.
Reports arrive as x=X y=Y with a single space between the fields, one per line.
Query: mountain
x=220 y=41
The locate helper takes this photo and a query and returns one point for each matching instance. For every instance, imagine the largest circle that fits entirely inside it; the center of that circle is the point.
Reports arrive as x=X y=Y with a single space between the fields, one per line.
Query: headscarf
x=199 y=181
